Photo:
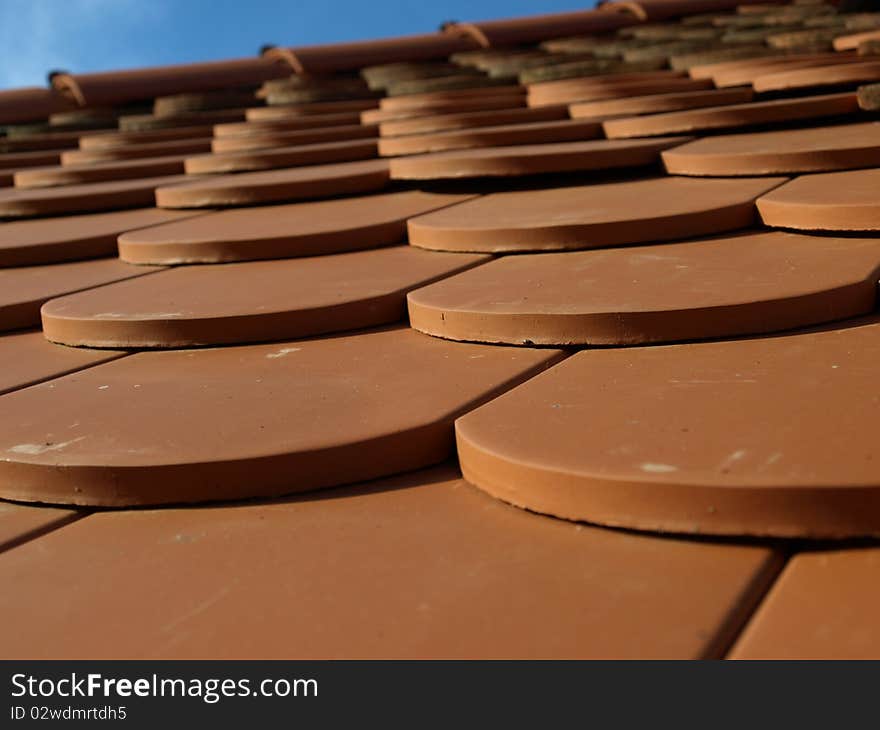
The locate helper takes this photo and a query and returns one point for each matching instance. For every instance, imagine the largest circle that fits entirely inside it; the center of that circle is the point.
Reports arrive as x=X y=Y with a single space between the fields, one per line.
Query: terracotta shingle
x=84 y=198
x=264 y=139
x=304 y=121
x=817 y=149
x=592 y=216
x=27 y=358
x=532 y=159
x=247 y=421
x=589 y=89
x=53 y=240
x=824 y=606
x=271 y=158
x=836 y=201
x=467 y=120
x=819 y=76
x=255 y=188
x=694 y=438
x=656 y=103
x=24 y=289
x=46 y=177
x=299 y=110
x=721 y=287
x=433 y=567
x=567 y=130
x=300 y=229
x=733 y=116
x=177 y=147
x=259 y=301
x=362 y=174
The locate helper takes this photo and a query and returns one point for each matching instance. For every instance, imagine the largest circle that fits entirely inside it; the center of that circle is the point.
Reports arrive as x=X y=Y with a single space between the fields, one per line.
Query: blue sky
x=97 y=35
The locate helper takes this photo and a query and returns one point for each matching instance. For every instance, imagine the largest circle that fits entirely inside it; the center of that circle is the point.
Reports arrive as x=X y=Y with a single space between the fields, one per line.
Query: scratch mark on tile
x=732 y=459
x=282 y=352
x=199 y=609
x=654 y=468
x=35 y=449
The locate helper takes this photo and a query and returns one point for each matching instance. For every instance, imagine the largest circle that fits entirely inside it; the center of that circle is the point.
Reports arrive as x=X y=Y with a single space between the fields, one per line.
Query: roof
x=546 y=337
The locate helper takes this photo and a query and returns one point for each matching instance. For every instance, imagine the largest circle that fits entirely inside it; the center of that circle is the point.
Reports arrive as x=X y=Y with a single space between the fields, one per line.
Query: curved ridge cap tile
x=419 y=532
x=592 y=216
x=732 y=115
x=27 y=358
x=844 y=73
x=723 y=438
x=270 y=158
x=536 y=28
x=24 y=289
x=84 y=198
x=836 y=201
x=68 y=238
x=653 y=10
x=248 y=421
x=659 y=103
x=532 y=159
x=823 y=606
x=297 y=183
x=282 y=231
x=290 y=298
x=30 y=104
x=817 y=149
x=47 y=177
x=723 y=287
x=118 y=87
x=348 y=56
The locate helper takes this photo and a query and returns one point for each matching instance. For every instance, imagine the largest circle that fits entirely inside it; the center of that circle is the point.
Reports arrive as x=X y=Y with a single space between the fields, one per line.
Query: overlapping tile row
x=435 y=569
x=636 y=247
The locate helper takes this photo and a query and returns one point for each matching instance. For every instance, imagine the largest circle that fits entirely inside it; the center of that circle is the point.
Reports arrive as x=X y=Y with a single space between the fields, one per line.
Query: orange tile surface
x=693 y=438
x=300 y=229
x=53 y=240
x=610 y=181
x=449 y=573
x=20 y=523
x=189 y=306
x=824 y=606
x=27 y=358
x=247 y=421
x=719 y=287
x=592 y=216
x=255 y=188
x=24 y=289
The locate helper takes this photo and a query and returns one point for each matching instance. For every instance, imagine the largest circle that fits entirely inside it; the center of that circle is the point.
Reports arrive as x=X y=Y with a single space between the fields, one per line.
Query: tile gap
x=43 y=530
x=743 y=613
